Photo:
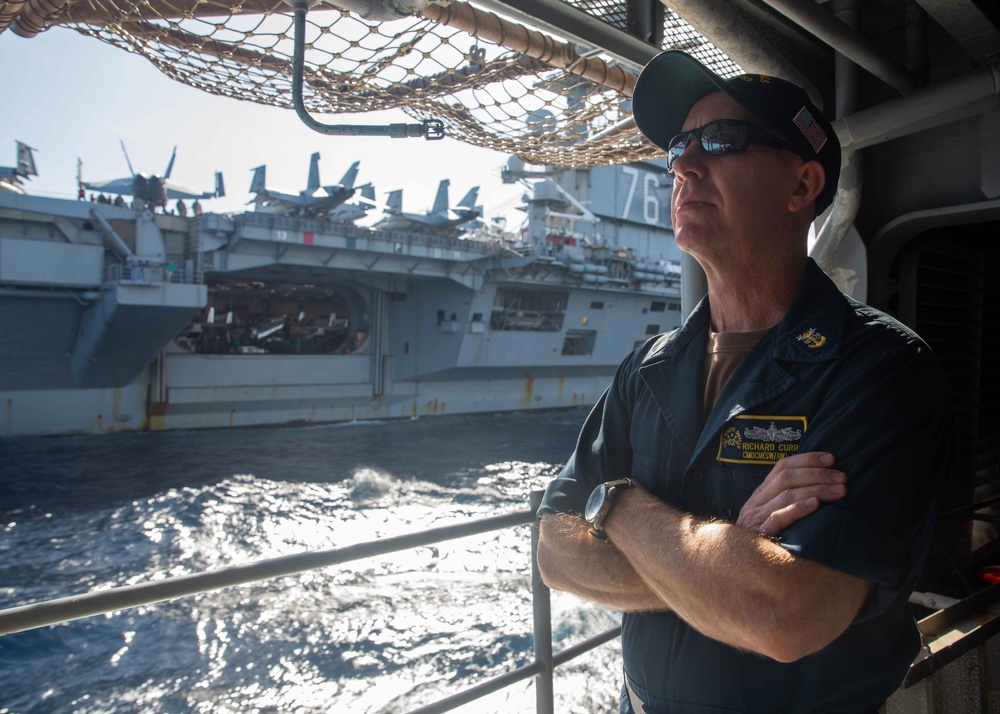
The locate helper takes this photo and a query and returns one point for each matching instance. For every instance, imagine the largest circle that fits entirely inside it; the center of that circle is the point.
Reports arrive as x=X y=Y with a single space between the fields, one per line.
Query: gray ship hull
x=227 y=404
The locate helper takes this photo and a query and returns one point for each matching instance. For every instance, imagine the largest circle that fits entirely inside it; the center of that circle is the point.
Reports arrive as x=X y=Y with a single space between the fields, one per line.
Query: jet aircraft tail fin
x=220 y=187
x=441 y=200
x=25 y=160
x=468 y=201
x=259 y=180
x=313 y=172
x=394 y=204
x=350 y=176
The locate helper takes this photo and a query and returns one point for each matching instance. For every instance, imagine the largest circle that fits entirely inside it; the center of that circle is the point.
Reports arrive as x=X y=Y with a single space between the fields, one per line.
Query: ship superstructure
x=119 y=318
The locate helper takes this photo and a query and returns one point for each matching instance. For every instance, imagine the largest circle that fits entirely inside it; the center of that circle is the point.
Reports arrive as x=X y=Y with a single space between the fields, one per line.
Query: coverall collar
x=810 y=331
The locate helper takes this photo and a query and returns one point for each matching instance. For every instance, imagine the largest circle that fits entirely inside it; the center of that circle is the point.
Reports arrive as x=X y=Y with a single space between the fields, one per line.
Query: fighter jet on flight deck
x=440 y=219
x=315 y=200
x=155 y=190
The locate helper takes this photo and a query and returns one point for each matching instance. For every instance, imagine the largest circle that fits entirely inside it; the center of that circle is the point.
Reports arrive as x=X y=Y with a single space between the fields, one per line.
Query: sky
x=70 y=96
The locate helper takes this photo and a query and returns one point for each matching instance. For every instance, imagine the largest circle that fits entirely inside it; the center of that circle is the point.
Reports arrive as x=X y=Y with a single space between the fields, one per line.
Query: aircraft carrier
x=117 y=319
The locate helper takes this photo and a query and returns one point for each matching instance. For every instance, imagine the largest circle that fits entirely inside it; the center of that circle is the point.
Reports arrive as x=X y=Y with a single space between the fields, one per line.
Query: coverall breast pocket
x=729 y=488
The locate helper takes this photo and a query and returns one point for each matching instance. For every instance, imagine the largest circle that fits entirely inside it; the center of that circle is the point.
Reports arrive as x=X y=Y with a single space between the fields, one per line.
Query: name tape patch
x=756 y=439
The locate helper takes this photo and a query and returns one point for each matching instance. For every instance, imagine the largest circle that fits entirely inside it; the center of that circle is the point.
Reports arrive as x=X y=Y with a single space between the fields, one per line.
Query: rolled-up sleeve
x=603 y=450
x=887 y=425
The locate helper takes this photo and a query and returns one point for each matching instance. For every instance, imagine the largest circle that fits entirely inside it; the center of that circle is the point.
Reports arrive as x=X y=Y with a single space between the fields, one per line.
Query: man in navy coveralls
x=756 y=490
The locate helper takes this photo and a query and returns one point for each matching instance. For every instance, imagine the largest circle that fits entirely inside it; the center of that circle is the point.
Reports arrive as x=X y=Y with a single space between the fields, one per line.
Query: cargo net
x=493 y=83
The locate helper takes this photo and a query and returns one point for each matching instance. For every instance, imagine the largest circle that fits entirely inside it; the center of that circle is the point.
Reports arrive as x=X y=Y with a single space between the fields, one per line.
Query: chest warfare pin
x=753 y=439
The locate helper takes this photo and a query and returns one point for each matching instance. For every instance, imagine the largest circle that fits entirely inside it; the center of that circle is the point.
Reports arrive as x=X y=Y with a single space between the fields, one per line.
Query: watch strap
x=609 y=488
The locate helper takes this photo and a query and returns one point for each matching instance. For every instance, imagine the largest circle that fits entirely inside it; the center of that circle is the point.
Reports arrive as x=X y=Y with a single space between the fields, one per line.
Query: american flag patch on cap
x=810 y=129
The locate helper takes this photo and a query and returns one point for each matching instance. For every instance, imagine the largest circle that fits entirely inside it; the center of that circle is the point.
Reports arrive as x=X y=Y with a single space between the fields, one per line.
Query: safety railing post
x=541 y=606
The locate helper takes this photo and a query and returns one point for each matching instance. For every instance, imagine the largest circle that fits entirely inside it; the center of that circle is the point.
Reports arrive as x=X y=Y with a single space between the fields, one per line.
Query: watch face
x=594 y=503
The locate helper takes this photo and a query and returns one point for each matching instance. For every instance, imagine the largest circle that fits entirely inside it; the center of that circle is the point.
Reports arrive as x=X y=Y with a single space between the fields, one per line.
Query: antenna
x=130 y=169
x=170 y=165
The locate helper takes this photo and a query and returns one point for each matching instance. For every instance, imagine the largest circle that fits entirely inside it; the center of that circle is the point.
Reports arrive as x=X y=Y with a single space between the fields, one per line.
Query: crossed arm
x=728 y=581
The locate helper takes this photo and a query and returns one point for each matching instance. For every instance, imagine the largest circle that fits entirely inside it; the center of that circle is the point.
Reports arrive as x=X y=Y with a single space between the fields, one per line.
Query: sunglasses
x=725 y=136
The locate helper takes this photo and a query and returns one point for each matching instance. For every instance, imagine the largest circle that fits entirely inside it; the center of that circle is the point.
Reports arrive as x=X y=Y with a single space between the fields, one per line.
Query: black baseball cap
x=673 y=81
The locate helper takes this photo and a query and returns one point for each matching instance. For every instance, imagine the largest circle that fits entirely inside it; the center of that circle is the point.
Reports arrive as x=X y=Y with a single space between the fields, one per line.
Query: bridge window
x=528 y=310
x=579 y=342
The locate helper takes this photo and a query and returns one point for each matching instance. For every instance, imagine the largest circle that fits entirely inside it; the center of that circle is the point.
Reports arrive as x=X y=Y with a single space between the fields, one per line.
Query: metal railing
x=53 y=612
x=140 y=272
x=376 y=236
x=954 y=629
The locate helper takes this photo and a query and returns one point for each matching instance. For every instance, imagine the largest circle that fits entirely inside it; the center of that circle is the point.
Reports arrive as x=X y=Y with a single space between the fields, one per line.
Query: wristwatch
x=599 y=504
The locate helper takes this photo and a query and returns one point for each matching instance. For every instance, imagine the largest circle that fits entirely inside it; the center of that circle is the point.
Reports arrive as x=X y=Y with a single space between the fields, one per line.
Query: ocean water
x=387 y=634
